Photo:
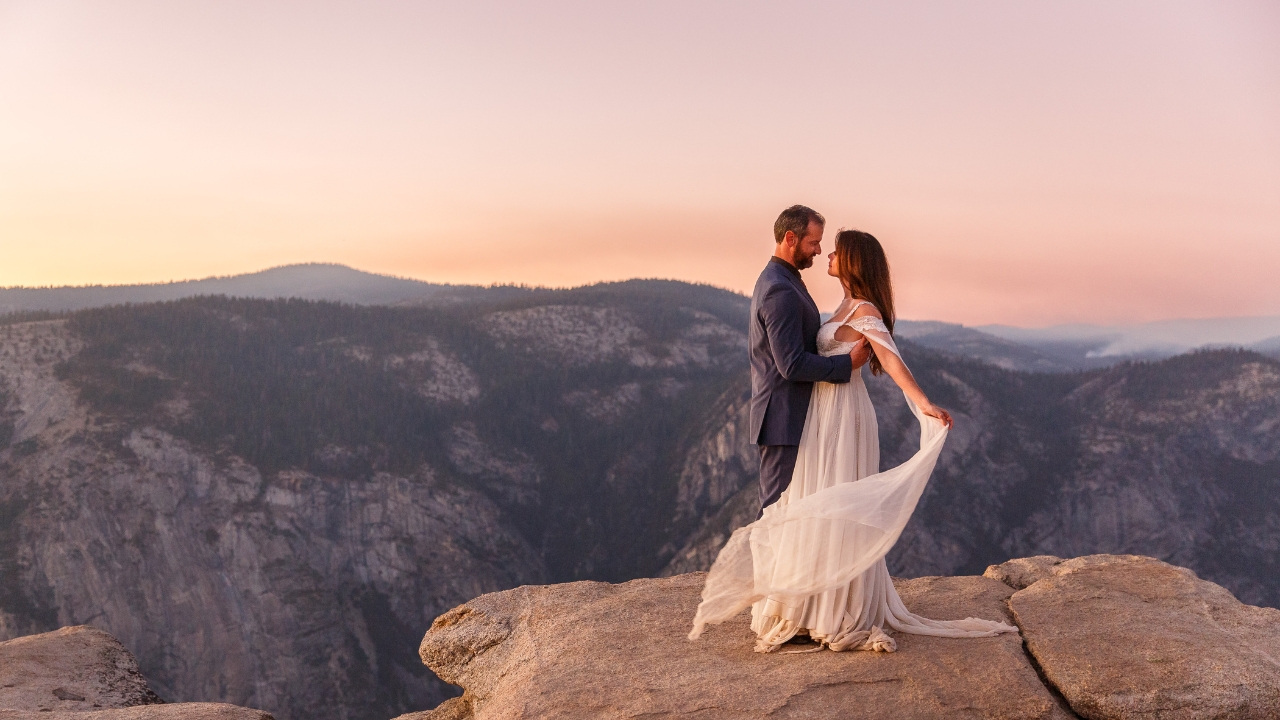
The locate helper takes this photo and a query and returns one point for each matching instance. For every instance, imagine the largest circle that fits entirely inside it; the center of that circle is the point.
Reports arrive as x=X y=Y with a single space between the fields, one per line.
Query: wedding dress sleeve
x=873 y=329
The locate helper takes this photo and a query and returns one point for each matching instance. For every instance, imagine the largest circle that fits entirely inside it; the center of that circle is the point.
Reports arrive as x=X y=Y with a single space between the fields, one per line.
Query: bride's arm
x=898 y=370
x=867 y=322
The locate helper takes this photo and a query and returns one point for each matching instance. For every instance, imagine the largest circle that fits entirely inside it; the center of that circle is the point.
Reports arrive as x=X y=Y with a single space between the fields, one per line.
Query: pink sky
x=1023 y=163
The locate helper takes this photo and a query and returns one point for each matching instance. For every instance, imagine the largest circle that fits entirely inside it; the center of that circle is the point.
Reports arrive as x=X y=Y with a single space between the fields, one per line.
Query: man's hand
x=860 y=354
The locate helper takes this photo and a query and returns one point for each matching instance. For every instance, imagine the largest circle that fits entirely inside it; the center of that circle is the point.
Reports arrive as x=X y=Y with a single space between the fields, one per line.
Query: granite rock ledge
x=1103 y=636
x=82 y=673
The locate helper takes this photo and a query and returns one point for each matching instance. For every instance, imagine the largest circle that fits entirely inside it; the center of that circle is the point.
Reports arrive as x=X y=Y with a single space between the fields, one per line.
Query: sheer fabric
x=815 y=561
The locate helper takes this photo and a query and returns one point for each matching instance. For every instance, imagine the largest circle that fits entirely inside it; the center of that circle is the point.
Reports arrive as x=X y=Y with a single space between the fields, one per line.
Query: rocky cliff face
x=276 y=524
x=1103 y=637
x=290 y=591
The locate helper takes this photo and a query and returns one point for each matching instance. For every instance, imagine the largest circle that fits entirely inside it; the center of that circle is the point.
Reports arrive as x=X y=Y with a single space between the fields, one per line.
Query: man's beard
x=804 y=263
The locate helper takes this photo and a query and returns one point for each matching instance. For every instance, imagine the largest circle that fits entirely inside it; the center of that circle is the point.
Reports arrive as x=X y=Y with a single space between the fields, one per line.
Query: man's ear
x=790 y=239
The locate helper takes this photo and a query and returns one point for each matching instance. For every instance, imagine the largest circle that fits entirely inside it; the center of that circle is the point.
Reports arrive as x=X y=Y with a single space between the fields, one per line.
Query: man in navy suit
x=783 y=342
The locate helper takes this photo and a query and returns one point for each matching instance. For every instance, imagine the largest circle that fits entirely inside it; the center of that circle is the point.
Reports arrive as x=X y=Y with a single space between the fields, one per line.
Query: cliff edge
x=1103 y=636
x=82 y=673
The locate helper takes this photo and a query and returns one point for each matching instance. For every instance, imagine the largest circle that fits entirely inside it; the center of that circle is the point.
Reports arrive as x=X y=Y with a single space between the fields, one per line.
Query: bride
x=814 y=562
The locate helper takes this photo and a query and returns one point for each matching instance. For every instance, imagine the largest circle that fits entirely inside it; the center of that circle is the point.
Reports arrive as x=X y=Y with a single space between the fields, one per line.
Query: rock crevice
x=1126 y=636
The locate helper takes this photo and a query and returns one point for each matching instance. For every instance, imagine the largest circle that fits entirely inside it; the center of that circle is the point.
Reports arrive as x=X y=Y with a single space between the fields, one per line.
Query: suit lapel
x=798 y=284
x=804 y=290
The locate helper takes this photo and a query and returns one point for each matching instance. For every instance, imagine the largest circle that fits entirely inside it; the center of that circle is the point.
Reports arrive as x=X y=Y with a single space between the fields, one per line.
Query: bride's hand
x=934 y=411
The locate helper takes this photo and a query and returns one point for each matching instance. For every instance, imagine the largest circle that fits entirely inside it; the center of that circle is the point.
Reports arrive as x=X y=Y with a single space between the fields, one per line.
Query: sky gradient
x=1023 y=163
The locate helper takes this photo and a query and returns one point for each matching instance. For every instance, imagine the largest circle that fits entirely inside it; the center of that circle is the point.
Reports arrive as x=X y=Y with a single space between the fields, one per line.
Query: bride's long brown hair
x=864 y=270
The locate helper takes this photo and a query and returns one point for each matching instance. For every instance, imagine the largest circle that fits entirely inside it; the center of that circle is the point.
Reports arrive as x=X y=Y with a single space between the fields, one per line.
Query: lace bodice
x=871 y=328
x=828 y=345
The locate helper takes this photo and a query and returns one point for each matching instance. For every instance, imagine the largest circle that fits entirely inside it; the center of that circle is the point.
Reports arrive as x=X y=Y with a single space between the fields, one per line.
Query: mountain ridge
x=314 y=281
x=1061 y=348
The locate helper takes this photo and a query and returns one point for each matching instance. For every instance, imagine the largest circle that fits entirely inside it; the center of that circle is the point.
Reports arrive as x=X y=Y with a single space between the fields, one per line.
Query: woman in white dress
x=814 y=562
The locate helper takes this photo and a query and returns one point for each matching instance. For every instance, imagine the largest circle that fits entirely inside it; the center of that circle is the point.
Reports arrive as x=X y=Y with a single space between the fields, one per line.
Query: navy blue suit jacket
x=783 y=342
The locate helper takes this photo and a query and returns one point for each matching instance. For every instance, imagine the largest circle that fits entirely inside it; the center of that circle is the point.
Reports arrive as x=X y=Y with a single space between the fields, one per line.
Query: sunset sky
x=1022 y=162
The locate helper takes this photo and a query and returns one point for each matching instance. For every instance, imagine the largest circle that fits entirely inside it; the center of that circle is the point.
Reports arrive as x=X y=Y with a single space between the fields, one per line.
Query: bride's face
x=833 y=265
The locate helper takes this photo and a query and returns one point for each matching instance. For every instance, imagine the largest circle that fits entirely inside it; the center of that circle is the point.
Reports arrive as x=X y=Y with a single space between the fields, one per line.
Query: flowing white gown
x=815 y=560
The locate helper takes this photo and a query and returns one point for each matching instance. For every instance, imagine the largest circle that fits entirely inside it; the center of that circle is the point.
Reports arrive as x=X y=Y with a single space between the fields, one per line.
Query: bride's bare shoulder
x=867 y=309
x=845 y=333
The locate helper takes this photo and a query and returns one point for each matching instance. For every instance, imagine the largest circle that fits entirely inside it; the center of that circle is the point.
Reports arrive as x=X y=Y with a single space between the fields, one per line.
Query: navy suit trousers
x=777 y=463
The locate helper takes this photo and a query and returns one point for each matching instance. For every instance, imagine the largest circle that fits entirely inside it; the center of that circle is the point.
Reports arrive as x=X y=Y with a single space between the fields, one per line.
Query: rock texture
x=289 y=591
x=1104 y=637
x=594 y=650
x=1021 y=572
x=717 y=489
x=1132 y=637
x=178 y=711
x=74 y=668
x=82 y=673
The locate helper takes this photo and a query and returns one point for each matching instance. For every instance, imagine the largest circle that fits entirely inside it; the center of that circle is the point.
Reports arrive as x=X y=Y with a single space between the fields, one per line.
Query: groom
x=783 y=342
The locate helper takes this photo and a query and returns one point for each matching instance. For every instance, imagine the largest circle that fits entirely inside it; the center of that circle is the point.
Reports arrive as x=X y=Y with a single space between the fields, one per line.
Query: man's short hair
x=796 y=219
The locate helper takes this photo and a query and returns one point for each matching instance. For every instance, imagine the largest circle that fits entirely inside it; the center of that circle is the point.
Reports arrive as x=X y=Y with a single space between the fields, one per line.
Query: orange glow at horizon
x=1104 y=162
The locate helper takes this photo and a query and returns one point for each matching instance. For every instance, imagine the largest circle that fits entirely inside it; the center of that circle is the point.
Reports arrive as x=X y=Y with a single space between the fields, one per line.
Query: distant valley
x=1086 y=347
x=269 y=500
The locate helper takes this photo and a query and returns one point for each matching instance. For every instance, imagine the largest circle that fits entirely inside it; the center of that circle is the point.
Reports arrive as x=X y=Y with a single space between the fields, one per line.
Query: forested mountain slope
x=269 y=501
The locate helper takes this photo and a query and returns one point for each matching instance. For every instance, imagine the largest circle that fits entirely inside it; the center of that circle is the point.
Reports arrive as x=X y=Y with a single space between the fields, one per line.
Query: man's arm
x=782 y=323
x=860 y=354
